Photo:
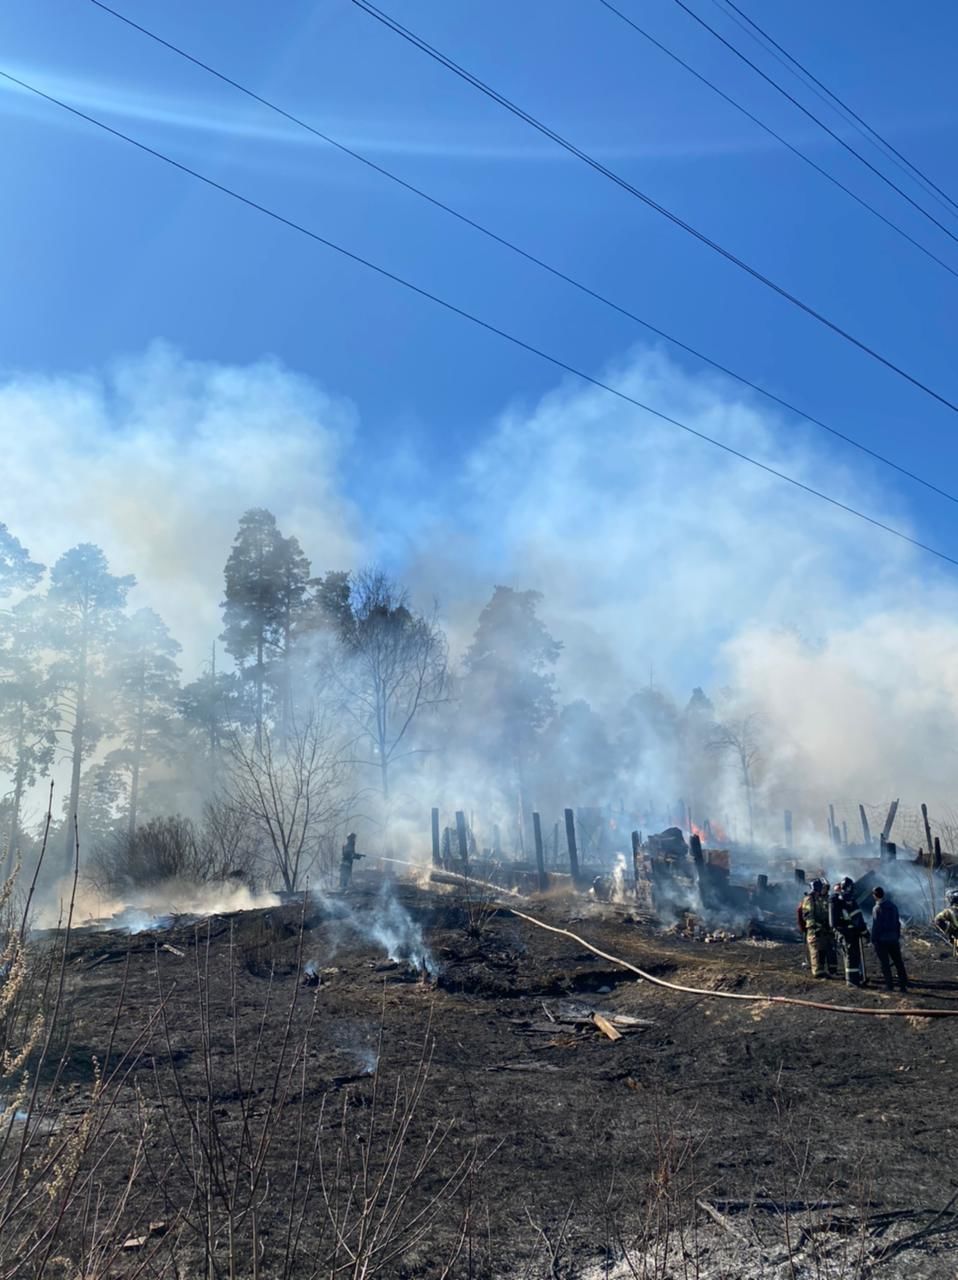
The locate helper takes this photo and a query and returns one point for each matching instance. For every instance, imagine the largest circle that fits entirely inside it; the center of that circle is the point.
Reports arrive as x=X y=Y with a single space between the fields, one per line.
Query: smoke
x=661 y=561
x=385 y=923
x=155 y=460
x=148 y=907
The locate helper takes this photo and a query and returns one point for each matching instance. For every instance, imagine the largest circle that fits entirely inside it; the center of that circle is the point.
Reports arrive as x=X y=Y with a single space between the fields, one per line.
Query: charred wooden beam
x=866 y=830
x=436 y=852
x=540 y=855
x=890 y=820
x=924 y=817
x=461 y=837
x=573 y=847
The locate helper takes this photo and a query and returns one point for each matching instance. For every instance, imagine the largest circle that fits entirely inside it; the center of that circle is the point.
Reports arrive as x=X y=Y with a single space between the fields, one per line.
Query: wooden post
x=799 y=875
x=540 y=856
x=937 y=863
x=436 y=855
x=890 y=820
x=924 y=814
x=463 y=842
x=788 y=828
x=636 y=846
x=866 y=830
x=573 y=848
x=698 y=860
x=844 y=832
x=833 y=826
x=695 y=848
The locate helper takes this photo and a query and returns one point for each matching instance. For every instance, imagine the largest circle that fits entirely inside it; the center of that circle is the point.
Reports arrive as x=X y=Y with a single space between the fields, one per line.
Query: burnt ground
x=819 y=1144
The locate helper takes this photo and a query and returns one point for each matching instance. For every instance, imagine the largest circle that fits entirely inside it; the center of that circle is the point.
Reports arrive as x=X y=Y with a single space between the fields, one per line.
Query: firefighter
x=848 y=925
x=818 y=936
x=947 y=920
x=349 y=856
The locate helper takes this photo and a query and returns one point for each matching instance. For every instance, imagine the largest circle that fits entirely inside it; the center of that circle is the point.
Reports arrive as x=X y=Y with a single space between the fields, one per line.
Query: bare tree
x=294 y=794
x=392 y=667
x=741 y=739
x=229 y=844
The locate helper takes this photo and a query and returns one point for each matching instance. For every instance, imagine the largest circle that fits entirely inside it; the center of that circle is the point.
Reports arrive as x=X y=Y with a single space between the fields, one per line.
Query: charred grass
x=200 y=1112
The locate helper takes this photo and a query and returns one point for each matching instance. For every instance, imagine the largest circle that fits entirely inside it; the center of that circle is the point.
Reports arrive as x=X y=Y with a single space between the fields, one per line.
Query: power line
x=524 y=253
x=861 y=126
x=646 y=199
x=802 y=155
x=486 y=325
x=812 y=116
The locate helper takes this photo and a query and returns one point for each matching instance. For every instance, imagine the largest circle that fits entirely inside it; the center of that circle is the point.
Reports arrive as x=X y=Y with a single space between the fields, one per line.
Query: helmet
x=818 y=886
x=952 y=897
x=847 y=885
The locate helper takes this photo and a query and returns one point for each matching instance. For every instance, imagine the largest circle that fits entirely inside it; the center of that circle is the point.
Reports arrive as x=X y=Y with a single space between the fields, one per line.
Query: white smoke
x=156 y=459
x=657 y=555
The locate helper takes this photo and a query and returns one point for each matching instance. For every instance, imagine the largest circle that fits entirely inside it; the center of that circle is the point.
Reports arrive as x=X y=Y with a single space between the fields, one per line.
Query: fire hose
x=733 y=995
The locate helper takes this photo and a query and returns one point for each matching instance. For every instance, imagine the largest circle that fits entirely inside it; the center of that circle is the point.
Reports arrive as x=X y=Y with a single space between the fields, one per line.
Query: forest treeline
x=328 y=702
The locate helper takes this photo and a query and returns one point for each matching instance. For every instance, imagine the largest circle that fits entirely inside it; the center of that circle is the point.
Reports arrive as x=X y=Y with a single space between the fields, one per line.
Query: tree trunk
x=76 y=738
x=259 y=691
x=382 y=731
x=748 y=801
x=137 y=751
x=17 y=795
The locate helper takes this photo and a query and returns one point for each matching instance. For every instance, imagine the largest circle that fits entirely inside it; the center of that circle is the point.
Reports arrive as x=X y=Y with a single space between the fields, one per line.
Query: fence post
x=436 y=855
x=573 y=848
x=463 y=843
x=540 y=857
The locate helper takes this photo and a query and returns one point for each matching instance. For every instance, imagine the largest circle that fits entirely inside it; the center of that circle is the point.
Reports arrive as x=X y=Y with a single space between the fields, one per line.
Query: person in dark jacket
x=886 y=938
x=349 y=856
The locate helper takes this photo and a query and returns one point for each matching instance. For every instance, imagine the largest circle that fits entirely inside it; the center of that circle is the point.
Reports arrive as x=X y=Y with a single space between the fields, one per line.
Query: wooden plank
x=606 y=1027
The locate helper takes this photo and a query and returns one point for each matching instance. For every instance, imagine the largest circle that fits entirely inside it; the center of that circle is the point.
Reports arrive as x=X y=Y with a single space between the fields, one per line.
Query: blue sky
x=107 y=250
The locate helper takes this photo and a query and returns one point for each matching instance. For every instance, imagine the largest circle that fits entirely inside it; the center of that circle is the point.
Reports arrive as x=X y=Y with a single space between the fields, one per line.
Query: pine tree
x=508 y=688
x=146 y=681
x=28 y=713
x=209 y=705
x=266 y=581
x=17 y=570
x=84 y=604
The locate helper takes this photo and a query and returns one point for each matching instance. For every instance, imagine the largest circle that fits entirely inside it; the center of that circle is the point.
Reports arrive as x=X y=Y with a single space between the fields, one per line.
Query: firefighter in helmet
x=947 y=920
x=819 y=937
x=848 y=925
x=349 y=856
